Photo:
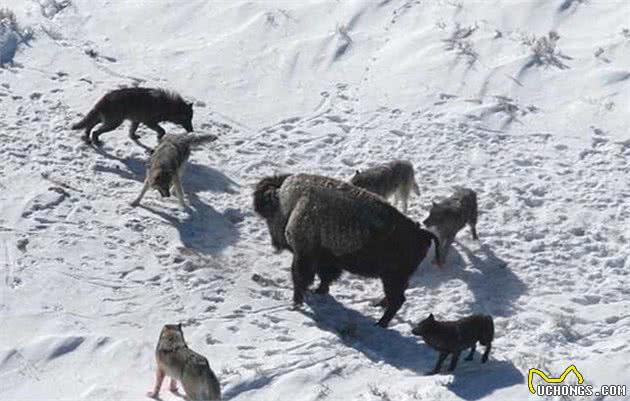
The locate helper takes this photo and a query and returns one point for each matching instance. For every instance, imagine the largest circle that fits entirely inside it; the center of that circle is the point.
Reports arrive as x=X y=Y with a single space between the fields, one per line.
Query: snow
x=324 y=87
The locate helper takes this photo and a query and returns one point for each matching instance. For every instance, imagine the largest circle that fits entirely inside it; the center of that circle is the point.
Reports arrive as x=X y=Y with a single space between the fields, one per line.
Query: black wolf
x=455 y=336
x=139 y=105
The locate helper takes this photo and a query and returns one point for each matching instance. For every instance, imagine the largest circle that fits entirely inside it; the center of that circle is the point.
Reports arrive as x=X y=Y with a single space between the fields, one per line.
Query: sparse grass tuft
x=464 y=48
x=380 y=394
x=545 y=52
x=11 y=35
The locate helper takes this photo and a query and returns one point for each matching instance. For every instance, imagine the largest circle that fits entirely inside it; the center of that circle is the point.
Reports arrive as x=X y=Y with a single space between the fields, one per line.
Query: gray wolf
x=451 y=215
x=455 y=336
x=330 y=226
x=394 y=178
x=180 y=363
x=139 y=105
x=166 y=165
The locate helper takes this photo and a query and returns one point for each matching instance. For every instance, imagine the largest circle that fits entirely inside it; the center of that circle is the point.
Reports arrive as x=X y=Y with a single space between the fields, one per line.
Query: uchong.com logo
x=554 y=386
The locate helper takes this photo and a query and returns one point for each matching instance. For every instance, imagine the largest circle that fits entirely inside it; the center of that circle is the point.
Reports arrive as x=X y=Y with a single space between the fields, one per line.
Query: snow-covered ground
x=527 y=102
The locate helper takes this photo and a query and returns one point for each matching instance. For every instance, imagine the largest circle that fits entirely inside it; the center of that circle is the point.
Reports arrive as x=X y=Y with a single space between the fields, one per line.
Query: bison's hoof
x=382 y=324
x=321 y=291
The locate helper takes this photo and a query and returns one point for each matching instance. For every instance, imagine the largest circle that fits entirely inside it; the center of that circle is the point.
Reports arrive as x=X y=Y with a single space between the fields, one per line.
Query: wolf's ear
x=189 y=104
x=433 y=203
x=179 y=327
x=431 y=316
x=357 y=172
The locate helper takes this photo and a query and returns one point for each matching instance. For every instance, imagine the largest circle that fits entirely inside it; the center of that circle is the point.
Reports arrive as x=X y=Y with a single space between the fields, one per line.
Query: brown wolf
x=166 y=165
x=139 y=105
x=330 y=226
x=451 y=215
x=455 y=336
x=176 y=360
x=394 y=178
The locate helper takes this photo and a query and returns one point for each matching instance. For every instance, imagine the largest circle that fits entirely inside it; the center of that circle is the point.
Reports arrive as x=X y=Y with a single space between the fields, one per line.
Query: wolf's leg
x=179 y=191
x=159 y=378
x=105 y=127
x=454 y=359
x=414 y=186
x=144 y=190
x=472 y=223
x=484 y=358
x=132 y=130
x=173 y=386
x=472 y=352
x=88 y=131
x=404 y=197
x=446 y=246
x=156 y=127
x=440 y=360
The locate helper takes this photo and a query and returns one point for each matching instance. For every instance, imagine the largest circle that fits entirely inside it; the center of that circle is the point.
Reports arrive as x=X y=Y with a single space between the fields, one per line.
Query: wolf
x=139 y=105
x=180 y=363
x=331 y=226
x=166 y=165
x=394 y=178
x=455 y=336
x=451 y=215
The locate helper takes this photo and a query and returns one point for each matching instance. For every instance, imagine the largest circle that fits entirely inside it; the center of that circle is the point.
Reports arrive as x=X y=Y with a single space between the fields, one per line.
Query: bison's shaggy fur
x=331 y=226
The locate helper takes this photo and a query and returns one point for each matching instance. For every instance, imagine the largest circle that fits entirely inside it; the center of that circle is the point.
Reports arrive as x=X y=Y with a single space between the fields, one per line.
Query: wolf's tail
x=266 y=201
x=194 y=140
x=91 y=118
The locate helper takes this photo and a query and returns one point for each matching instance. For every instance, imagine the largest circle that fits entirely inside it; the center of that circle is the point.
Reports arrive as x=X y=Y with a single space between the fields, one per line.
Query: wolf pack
x=328 y=225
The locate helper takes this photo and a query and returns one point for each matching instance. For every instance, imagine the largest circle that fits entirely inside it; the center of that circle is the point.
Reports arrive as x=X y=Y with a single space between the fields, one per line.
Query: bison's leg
x=484 y=358
x=382 y=303
x=303 y=276
x=395 y=296
x=472 y=353
x=327 y=274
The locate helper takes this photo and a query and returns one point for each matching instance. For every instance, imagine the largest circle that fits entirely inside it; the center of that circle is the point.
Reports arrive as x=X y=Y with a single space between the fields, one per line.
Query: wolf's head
x=184 y=115
x=424 y=327
x=172 y=336
x=356 y=179
x=161 y=180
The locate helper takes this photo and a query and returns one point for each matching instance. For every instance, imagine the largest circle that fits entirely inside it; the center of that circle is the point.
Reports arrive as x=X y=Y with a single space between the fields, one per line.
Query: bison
x=331 y=226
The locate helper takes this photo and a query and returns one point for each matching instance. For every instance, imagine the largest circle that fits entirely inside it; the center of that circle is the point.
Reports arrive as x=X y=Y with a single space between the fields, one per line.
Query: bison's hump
x=337 y=216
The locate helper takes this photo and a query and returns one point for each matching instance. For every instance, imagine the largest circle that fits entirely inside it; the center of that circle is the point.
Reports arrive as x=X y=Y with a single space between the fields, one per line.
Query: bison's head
x=267 y=205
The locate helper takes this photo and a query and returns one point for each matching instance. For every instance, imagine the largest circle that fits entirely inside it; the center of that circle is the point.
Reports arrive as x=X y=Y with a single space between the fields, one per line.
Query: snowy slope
x=473 y=92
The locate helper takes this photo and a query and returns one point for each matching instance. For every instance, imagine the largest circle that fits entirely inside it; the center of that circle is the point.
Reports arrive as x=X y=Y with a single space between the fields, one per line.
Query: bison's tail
x=266 y=200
